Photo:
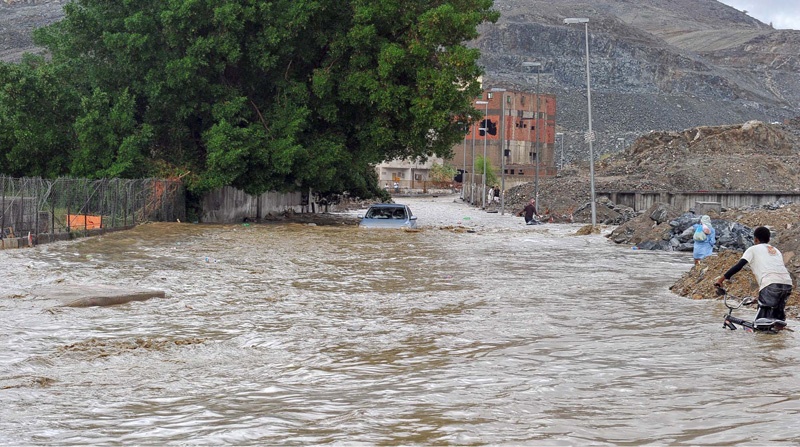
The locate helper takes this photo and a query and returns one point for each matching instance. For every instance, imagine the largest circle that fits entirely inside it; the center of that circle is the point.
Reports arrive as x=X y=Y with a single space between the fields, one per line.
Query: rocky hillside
x=18 y=19
x=655 y=65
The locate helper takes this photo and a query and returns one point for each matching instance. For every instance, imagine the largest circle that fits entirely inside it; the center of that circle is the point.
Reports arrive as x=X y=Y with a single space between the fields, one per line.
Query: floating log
x=71 y=295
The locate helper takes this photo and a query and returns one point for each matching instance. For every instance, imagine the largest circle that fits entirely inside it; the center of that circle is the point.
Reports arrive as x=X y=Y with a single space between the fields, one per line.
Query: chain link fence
x=37 y=206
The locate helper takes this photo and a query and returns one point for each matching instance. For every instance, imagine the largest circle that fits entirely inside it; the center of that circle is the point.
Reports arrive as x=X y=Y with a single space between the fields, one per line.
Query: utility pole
x=485 y=135
x=502 y=150
x=538 y=66
x=590 y=134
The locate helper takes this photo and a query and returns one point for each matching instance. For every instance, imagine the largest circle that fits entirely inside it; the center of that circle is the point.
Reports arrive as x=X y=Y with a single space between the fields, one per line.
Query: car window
x=377 y=213
x=388 y=212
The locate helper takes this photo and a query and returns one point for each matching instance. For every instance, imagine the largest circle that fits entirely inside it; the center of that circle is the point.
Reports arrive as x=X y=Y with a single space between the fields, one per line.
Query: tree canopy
x=260 y=95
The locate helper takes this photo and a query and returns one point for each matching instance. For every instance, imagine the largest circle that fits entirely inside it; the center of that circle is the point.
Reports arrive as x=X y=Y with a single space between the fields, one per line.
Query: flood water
x=288 y=334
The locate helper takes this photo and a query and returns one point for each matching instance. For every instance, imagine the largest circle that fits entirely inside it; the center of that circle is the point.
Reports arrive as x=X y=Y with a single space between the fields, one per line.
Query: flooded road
x=289 y=334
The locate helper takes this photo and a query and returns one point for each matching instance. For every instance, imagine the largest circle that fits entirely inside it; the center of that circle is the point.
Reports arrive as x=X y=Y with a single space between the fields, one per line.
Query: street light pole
x=590 y=134
x=472 y=172
x=538 y=66
x=485 y=134
x=560 y=135
x=538 y=137
x=502 y=151
x=464 y=172
x=502 y=155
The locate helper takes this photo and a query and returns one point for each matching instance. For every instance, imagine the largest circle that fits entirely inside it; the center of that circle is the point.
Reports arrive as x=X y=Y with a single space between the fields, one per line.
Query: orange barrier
x=84 y=221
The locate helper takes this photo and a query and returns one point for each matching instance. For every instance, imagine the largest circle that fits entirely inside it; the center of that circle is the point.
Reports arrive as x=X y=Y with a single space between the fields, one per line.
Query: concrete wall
x=45 y=238
x=685 y=200
x=230 y=205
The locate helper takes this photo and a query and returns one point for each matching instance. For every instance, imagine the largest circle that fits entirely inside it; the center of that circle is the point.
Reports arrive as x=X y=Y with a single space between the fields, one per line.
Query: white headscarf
x=705 y=220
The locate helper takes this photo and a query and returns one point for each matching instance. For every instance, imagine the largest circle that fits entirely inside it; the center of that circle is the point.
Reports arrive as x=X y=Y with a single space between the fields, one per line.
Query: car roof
x=387 y=205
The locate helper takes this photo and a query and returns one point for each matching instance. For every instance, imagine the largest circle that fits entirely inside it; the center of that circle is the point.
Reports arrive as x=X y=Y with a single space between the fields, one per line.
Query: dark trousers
x=772 y=300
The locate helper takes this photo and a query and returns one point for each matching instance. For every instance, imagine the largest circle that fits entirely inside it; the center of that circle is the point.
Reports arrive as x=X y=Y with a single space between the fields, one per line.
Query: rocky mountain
x=654 y=64
x=660 y=65
x=18 y=19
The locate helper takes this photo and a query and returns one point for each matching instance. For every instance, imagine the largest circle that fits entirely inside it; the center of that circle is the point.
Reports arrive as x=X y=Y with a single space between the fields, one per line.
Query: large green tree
x=266 y=95
x=37 y=108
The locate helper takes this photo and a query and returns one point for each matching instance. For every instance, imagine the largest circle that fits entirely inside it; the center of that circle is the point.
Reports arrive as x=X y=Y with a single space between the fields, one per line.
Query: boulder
x=659 y=213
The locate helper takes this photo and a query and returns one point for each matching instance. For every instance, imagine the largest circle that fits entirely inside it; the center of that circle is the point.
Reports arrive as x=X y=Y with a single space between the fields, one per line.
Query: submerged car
x=389 y=215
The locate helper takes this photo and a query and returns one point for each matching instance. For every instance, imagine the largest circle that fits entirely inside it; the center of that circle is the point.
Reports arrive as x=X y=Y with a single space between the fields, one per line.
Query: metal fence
x=66 y=205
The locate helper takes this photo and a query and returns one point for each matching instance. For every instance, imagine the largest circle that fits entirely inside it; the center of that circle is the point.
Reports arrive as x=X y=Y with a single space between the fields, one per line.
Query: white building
x=409 y=174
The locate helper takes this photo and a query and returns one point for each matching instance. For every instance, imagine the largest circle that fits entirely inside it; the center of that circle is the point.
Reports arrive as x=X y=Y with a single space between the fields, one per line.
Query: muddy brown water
x=287 y=334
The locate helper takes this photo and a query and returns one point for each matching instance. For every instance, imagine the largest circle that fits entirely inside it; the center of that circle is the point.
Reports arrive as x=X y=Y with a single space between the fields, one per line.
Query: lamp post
x=560 y=135
x=472 y=172
x=502 y=152
x=485 y=129
x=589 y=134
x=538 y=66
x=464 y=172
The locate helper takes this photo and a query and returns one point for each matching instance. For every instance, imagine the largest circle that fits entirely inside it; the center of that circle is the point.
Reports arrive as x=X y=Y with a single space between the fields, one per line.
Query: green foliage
x=491 y=176
x=443 y=172
x=111 y=143
x=36 y=105
x=260 y=95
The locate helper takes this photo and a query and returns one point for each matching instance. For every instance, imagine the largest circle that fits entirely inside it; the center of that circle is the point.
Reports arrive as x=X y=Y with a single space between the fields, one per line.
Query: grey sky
x=784 y=14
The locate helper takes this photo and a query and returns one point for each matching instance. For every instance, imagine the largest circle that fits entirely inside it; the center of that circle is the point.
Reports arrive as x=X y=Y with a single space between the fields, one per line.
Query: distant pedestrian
x=496 y=193
x=530 y=213
x=396 y=187
x=490 y=195
x=705 y=237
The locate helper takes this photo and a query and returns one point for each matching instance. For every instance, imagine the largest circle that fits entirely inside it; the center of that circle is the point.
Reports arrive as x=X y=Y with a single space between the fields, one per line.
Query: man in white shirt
x=774 y=281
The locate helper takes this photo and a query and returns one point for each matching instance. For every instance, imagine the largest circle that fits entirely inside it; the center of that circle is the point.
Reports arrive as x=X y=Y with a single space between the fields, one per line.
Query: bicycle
x=771 y=325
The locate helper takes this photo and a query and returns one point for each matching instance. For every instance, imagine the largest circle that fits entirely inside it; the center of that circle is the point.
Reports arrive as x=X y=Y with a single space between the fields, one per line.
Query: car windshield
x=386 y=213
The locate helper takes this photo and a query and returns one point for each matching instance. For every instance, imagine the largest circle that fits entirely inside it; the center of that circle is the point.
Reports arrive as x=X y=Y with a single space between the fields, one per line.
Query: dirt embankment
x=753 y=156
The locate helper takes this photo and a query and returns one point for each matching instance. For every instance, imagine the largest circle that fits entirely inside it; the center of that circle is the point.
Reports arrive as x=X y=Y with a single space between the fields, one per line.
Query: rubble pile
x=753 y=156
x=660 y=229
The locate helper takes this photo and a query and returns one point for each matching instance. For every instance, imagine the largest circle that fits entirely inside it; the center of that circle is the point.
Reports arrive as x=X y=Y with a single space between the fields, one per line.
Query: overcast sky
x=783 y=14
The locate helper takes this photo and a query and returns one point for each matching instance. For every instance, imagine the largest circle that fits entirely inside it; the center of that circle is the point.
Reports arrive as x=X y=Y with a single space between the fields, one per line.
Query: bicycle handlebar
x=746 y=301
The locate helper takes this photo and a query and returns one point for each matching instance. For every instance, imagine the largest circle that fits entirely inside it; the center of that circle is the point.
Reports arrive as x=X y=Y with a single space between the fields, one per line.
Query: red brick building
x=513 y=122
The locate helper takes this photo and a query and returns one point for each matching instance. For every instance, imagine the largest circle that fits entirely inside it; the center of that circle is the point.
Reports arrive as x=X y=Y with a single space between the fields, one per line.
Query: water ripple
x=298 y=335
